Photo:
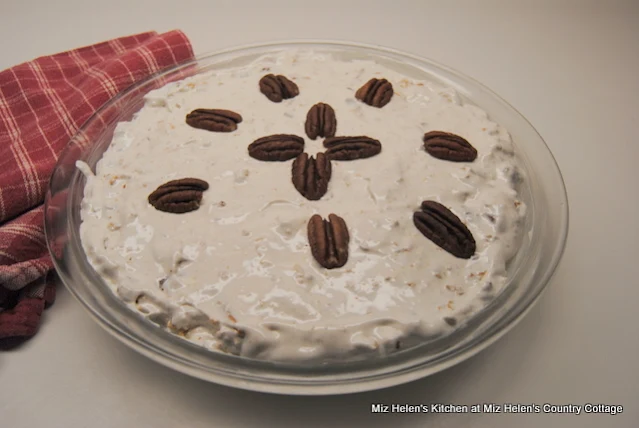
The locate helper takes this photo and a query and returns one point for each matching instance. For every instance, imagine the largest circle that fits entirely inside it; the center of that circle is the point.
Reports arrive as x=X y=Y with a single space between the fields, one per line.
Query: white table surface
x=571 y=67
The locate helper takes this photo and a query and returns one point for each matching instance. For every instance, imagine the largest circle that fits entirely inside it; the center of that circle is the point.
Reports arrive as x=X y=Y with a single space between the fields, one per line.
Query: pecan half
x=445 y=229
x=179 y=196
x=328 y=240
x=375 y=92
x=279 y=147
x=311 y=176
x=278 y=88
x=450 y=147
x=320 y=121
x=351 y=148
x=215 y=120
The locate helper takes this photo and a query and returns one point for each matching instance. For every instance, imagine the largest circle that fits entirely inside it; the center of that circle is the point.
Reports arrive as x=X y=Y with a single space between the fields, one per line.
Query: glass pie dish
x=529 y=272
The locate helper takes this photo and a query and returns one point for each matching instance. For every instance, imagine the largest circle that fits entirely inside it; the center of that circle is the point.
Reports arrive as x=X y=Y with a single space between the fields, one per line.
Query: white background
x=571 y=67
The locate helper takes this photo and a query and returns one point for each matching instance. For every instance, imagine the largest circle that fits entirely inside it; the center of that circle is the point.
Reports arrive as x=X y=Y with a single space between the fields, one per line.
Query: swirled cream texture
x=237 y=275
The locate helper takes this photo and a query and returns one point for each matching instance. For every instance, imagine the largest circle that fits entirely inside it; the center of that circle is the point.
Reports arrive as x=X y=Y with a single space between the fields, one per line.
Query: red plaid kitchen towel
x=42 y=105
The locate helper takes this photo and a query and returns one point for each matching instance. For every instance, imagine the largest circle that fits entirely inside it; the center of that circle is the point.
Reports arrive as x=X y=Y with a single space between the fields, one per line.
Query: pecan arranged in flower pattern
x=320 y=121
x=179 y=196
x=375 y=92
x=450 y=147
x=311 y=176
x=278 y=88
x=445 y=229
x=215 y=120
x=351 y=148
x=328 y=240
x=279 y=147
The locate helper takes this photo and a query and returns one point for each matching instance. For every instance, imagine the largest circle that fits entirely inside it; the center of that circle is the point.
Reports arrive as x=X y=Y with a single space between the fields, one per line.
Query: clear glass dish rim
x=299 y=382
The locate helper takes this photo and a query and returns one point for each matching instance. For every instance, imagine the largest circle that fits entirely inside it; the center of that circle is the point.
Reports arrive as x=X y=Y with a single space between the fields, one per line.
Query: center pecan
x=320 y=121
x=179 y=196
x=279 y=147
x=311 y=176
x=328 y=240
x=351 y=148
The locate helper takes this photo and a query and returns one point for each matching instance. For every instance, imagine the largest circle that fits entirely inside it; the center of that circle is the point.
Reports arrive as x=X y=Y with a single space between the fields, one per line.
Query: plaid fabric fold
x=42 y=104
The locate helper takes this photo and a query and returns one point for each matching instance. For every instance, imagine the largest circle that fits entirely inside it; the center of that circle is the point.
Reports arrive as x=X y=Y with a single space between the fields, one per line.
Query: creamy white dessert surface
x=237 y=275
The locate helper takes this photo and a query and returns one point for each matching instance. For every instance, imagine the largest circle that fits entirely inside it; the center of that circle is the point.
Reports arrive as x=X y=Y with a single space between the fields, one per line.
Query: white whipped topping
x=237 y=275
